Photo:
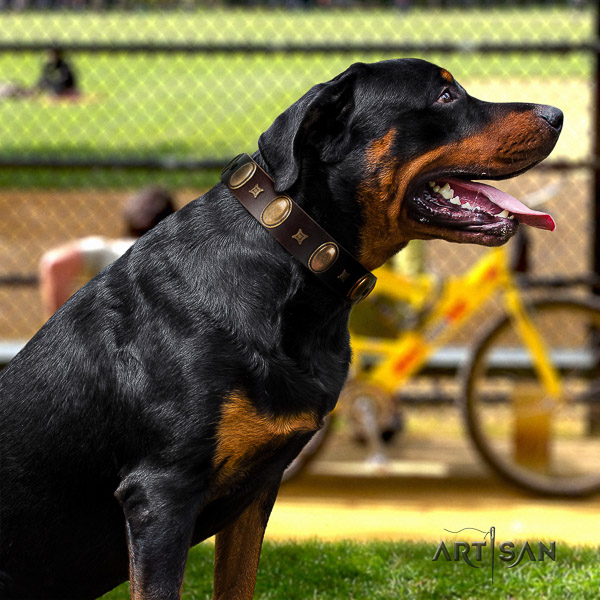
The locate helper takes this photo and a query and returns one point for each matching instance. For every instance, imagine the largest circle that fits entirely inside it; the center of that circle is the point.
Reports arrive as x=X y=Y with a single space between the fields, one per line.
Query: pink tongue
x=523 y=214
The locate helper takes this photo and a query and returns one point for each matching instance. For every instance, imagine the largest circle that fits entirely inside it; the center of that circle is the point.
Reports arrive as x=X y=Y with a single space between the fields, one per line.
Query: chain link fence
x=167 y=92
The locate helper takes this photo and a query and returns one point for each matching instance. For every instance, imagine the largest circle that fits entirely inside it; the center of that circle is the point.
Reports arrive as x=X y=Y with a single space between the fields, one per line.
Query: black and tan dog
x=162 y=403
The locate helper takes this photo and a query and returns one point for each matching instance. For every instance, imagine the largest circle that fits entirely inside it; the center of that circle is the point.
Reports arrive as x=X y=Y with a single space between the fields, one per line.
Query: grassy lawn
x=380 y=570
x=268 y=25
x=322 y=26
x=213 y=106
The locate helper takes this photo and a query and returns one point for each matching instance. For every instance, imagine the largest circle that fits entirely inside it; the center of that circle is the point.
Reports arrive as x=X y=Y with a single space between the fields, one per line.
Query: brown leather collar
x=296 y=231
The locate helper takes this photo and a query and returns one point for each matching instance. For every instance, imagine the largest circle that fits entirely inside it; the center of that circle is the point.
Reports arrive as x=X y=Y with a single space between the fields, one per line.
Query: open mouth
x=466 y=211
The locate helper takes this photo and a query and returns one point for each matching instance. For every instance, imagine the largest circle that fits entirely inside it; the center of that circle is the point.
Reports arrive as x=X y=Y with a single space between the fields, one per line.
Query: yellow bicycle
x=530 y=388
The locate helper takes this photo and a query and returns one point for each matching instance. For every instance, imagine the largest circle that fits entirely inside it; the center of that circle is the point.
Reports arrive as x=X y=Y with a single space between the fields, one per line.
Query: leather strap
x=296 y=231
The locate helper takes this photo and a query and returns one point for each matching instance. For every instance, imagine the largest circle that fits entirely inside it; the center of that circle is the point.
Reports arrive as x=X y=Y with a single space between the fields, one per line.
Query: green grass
x=313 y=26
x=214 y=106
x=391 y=571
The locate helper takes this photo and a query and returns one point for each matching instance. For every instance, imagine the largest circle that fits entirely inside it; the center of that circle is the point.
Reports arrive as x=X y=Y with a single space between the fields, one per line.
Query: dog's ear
x=318 y=122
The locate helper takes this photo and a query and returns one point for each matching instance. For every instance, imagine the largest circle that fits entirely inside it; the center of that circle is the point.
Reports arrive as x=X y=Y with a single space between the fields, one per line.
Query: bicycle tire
x=524 y=435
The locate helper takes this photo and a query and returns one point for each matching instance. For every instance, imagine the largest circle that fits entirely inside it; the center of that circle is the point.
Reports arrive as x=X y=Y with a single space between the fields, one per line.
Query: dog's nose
x=553 y=116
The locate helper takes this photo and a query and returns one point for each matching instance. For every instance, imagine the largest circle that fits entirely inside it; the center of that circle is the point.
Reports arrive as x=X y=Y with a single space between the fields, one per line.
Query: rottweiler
x=162 y=403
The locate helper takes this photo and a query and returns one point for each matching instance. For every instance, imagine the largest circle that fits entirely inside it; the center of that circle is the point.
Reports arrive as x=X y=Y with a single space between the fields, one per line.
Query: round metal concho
x=323 y=257
x=362 y=288
x=242 y=175
x=276 y=212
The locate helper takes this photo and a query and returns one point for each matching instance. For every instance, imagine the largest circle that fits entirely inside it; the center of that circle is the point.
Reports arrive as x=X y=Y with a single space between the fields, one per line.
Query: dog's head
x=405 y=139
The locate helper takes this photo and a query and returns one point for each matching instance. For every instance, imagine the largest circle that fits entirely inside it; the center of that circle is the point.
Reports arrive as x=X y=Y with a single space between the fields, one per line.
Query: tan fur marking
x=237 y=552
x=243 y=430
x=502 y=147
x=447 y=76
x=381 y=198
x=380 y=148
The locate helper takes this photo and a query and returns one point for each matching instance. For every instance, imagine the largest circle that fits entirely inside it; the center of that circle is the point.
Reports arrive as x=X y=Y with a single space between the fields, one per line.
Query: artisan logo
x=472 y=553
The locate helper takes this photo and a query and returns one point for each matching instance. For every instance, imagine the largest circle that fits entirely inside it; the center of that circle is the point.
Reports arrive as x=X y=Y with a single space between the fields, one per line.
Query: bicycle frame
x=459 y=299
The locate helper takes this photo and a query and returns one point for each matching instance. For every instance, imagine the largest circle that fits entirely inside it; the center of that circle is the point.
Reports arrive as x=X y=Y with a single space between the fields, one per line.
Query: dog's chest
x=247 y=437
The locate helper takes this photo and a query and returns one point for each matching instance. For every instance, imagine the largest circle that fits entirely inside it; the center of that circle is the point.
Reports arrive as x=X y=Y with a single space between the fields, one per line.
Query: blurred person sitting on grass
x=56 y=80
x=65 y=269
x=57 y=77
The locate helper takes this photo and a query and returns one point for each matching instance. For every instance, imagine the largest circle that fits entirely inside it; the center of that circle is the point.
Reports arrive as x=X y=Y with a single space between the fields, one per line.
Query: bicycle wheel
x=542 y=443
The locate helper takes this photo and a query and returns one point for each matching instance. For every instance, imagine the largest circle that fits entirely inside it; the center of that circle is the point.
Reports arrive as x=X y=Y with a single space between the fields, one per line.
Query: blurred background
x=168 y=92
x=100 y=99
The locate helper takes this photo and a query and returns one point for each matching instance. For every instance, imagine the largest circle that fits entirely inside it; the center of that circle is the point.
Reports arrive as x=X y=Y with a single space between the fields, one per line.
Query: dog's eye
x=445 y=97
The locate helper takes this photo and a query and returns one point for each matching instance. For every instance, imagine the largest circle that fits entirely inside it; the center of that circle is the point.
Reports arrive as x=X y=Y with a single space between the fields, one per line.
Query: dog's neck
x=323 y=194
x=319 y=199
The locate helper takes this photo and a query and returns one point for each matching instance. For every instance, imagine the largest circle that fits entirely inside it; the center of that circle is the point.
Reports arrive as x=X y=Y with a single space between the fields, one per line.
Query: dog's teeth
x=467 y=205
x=436 y=188
x=432 y=184
x=511 y=216
x=455 y=200
x=504 y=214
x=447 y=192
